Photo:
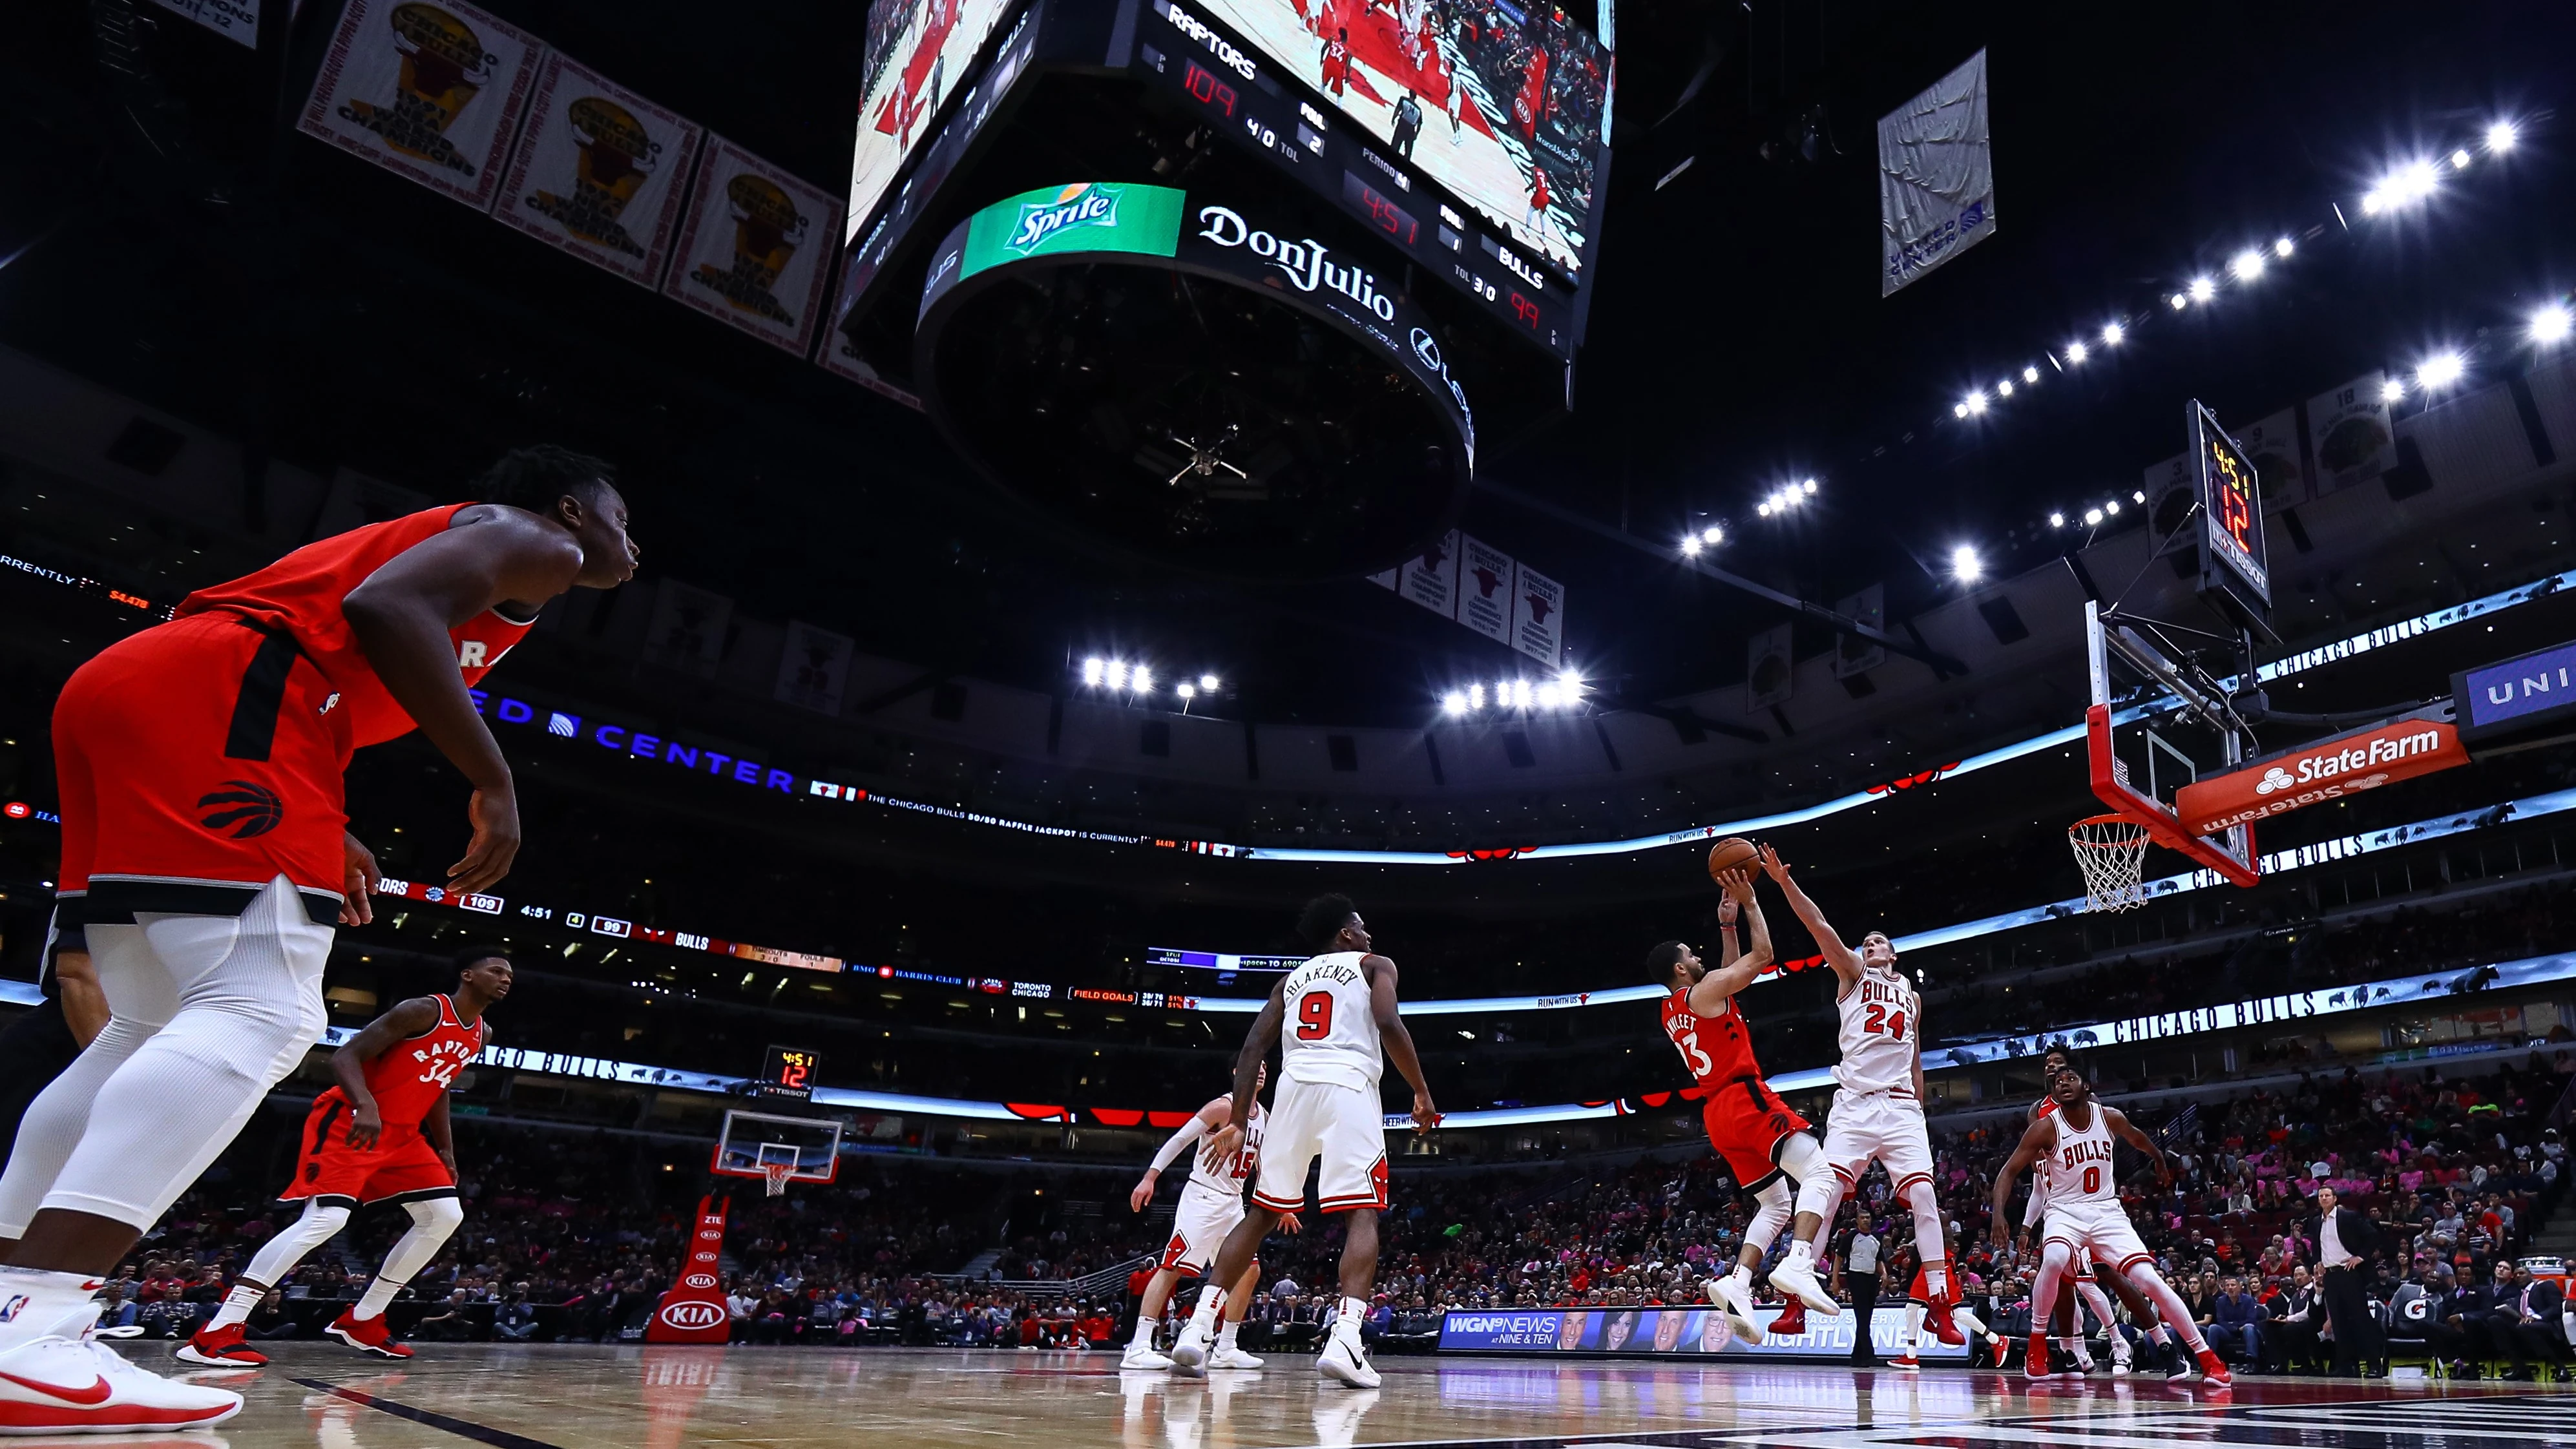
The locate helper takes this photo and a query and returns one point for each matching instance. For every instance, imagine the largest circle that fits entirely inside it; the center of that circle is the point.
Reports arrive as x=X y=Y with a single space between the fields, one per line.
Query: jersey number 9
x=1314 y=1016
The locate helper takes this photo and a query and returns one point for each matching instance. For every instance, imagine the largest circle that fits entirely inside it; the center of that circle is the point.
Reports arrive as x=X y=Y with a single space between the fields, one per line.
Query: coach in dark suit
x=2346 y=1241
x=2525 y=1325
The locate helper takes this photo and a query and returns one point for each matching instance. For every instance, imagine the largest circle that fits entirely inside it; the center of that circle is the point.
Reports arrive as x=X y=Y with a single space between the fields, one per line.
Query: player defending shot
x=1211 y=1204
x=1759 y=1138
x=380 y=1136
x=1327 y=1106
x=2065 y=1318
x=205 y=850
x=2072 y=1146
x=1877 y=1111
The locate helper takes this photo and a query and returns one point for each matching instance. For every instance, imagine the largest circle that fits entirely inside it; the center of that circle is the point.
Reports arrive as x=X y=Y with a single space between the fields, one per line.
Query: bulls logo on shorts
x=242 y=808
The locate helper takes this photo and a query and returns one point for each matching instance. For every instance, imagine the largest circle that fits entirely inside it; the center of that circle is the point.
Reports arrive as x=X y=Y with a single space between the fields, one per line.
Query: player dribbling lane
x=1755 y=1133
x=2072 y=1146
x=380 y=1136
x=1345 y=1029
x=1211 y=1204
x=1877 y=1111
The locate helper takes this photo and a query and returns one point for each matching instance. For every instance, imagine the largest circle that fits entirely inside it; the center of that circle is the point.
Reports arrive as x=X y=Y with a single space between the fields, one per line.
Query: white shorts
x=2101 y=1229
x=1882 y=1126
x=1199 y=1228
x=1345 y=1126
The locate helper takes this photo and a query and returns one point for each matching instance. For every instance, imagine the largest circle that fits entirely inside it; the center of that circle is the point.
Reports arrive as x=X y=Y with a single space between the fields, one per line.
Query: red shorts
x=1745 y=1121
x=401 y=1167
x=197 y=762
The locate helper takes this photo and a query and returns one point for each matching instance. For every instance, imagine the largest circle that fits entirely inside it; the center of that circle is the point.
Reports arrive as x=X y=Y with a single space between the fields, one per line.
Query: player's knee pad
x=440 y=1215
x=1800 y=1157
x=320 y=1224
x=1770 y=1216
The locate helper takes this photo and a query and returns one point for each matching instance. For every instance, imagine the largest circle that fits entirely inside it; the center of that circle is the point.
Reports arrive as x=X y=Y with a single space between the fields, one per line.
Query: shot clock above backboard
x=788 y=1073
x=2234 y=577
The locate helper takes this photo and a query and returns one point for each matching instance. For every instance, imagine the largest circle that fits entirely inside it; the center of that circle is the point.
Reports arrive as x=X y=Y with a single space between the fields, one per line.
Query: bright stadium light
x=1958 y=410
x=1094 y=671
x=2283 y=248
x=1975 y=402
x=2179 y=301
x=2501 y=136
x=1522 y=695
x=2461 y=158
x=1808 y=487
x=2391 y=390
x=2405 y=186
x=1712 y=535
x=1475 y=696
x=1186 y=690
x=1454 y=702
x=2093 y=515
x=2111 y=507
x=2057 y=520
x=2138 y=495
x=2440 y=370
x=1142 y=680
x=1763 y=508
x=2076 y=353
x=1570 y=682
x=2202 y=289
x=1965 y=563
x=1549 y=696
x=2030 y=374
x=2004 y=388
x=1208 y=683
x=2246 y=266
x=1690 y=545
x=2549 y=325
x=1117 y=674
x=2113 y=334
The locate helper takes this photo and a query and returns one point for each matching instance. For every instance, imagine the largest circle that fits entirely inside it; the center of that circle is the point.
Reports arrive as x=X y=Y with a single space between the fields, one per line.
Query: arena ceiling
x=164 y=235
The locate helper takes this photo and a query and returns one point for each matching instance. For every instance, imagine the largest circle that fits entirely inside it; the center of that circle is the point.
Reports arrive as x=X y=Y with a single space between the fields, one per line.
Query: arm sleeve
x=1191 y=1131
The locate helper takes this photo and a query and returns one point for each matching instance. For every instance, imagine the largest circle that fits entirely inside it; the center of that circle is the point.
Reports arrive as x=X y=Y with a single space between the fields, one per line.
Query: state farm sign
x=2330 y=769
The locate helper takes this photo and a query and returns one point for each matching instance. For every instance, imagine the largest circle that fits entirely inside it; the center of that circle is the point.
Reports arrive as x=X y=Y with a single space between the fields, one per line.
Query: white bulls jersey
x=2076 y=1174
x=1227 y=1178
x=1878 y=1032
x=1330 y=1035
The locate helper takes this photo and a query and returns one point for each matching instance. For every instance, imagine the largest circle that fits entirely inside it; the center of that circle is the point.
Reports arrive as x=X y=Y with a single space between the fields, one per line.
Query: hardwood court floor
x=583 y=1397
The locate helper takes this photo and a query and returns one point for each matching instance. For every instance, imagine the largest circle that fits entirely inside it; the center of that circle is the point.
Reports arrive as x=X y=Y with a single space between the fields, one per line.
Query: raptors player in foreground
x=1340 y=1026
x=380 y=1136
x=2072 y=1146
x=1211 y=1204
x=206 y=852
x=1755 y=1133
x=1877 y=1111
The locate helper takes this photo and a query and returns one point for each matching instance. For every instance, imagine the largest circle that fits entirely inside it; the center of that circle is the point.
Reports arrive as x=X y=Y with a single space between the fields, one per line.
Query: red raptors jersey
x=411 y=1076
x=1717 y=1049
x=300 y=595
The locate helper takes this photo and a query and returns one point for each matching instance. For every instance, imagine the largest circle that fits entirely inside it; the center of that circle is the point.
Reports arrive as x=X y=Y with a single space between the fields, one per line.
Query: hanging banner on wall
x=2272 y=446
x=689 y=627
x=600 y=172
x=1538 y=616
x=432 y=92
x=232 y=19
x=814 y=666
x=756 y=250
x=841 y=359
x=1936 y=176
x=1430 y=578
x=2350 y=429
x=1858 y=653
x=1485 y=589
x=1769 y=673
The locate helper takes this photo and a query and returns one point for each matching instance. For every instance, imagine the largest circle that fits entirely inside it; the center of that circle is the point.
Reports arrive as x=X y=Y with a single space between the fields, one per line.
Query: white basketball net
x=777 y=1174
x=2111 y=850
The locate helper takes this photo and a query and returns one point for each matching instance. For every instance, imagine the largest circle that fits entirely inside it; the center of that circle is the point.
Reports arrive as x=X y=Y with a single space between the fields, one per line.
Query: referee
x=1860 y=1275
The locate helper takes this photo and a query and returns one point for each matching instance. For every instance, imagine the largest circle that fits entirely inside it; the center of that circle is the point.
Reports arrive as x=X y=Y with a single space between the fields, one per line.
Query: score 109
x=1205 y=88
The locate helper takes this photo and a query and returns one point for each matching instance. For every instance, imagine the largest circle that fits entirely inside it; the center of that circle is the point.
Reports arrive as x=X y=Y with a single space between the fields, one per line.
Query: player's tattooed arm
x=349 y=1063
x=1844 y=960
x=2127 y=1131
x=2034 y=1144
x=1399 y=1042
x=1257 y=1046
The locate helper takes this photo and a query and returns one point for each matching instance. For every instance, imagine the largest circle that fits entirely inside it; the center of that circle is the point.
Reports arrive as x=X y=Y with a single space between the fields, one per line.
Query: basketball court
x=581 y=1397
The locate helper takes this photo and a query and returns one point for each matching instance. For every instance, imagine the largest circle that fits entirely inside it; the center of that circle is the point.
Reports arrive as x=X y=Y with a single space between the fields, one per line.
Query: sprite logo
x=1079 y=205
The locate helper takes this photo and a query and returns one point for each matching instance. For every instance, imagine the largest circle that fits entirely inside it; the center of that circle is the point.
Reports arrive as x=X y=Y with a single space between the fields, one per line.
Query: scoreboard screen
x=789 y=1072
x=2232 y=565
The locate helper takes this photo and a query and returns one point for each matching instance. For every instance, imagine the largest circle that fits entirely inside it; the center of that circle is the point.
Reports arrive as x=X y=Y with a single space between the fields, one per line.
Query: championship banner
x=2351 y=432
x=432 y=92
x=600 y=172
x=693 y=1311
x=1936 y=176
x=2330 y=769
x=1769 y=671
x=1430 y=578
x=1538 y=616
x=840 y=359
x=814 y=667
x=2272 y=446
x=1856 y=654
x=757 y=247
x=1677 y=1331
x=1485 y=589
x=236 y=20
x=688 y=628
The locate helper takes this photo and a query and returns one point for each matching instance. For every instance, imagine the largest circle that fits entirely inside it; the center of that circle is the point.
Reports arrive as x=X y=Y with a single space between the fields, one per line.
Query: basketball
x=1729 y=854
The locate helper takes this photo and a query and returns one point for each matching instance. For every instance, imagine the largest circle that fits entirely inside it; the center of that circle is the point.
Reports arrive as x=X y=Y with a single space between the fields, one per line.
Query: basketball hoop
x=776 y=1175
x=2111 y=850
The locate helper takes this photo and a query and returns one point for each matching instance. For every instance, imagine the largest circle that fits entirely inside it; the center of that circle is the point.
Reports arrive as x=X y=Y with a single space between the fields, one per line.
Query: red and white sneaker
x=79 y=1386
x=1906 y=1361
x=1937 y=1315
x=2213 y=1369
x=367 y=1335
x=221 y=1348
x=1792 y=1320
x=2034 y=1358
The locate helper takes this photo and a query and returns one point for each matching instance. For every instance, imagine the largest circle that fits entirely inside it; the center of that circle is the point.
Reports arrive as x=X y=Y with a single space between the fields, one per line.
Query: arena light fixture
x=2113 y=334
x=1475 y=696
x=2392 y=390
x=2004 y=388
x=2076 y=353
x=2283 y=247
x=1959 y=410
x=1763 y=508
x=2111 y=507
x=2247 y=265
x=2406 y=185
x=2202 y=289
x=1454 y=703
x=2179 y=301
x=1522 y=695
x=2093 y=516
x=2461 y=158
x=1975 y=402
x=2138 y=495
x=1571 y=682
x=1117 y=676
x=1808 y=487
x=2057 y=520
x=1208 y=682
x=2501 y=136
x=2030 y=375
x=1690 y=545
x=1142 y=680
x=2440 y=370
x=2550 y=325
x=1549 y=696
x=1712 y=535
x=1095 y=671
x=1966 y=565
x=1186 y=690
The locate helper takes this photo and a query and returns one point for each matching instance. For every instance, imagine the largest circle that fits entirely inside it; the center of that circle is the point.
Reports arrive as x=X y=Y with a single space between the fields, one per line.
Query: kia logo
x=692 y=1316
x=699 y=1280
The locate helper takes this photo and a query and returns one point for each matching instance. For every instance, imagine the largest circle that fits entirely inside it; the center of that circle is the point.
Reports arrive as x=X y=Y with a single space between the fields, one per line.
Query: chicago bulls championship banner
x=600 y=172
x=433 y=92
x=756 y=251
x=693 y=1311
x=2330 y=769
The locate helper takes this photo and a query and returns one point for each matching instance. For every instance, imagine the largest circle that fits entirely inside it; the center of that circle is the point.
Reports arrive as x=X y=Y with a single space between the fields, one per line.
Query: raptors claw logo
x=249 y=809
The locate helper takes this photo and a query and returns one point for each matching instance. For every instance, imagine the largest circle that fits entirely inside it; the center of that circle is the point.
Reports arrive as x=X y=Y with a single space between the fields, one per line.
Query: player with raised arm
x=1877 y=1111
x=2065 y=1323
x=1345 y=1028
x=1211 y=1204
x=1756 y=1134
x=380 y=1136
x=205 y=852
x=2072 y=1147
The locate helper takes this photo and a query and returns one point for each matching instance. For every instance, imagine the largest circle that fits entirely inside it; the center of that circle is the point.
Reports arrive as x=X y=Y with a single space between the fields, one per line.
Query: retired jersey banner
x=599 y=172
x=1538 y=616
x=1485 y=589
x=2351 y=432
x=434 y=92
x=813 y=667
x=1936 y=176
x=232 y=19
x=1430 y=578
x=757 y=248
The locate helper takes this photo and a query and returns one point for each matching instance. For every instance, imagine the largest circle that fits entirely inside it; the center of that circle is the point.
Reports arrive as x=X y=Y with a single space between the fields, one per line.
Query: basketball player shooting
x=1762 y=1141
x=1327 y=1107
x=1877 y=1111
x=205 y=851
x=2072 y=1146
x=380 y=1136
x=1211 y=1204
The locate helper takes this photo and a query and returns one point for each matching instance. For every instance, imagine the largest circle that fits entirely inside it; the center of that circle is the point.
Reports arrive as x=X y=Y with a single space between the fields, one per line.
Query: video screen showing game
x=917 y=54
x=1501 y=103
